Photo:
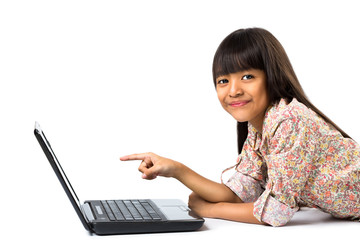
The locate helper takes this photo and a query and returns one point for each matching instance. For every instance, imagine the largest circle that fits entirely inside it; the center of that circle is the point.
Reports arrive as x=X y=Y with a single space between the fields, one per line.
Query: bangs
x=237 y=53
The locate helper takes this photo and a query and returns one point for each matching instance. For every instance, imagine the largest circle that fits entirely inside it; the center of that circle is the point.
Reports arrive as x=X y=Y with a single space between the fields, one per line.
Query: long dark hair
x=256 y=48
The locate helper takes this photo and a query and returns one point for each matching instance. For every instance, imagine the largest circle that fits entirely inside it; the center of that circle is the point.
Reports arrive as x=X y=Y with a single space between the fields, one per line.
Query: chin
x=241 y=119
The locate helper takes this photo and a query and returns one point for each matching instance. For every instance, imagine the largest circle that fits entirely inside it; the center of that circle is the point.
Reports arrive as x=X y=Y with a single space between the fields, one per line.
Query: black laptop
x=105 y=217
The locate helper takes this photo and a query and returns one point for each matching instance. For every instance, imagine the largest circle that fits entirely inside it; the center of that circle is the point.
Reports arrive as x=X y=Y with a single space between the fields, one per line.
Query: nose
x=235 y=89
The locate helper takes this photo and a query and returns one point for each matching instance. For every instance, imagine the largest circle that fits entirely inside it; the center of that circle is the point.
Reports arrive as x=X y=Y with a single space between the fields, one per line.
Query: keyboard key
x=133 y=210
x=124 y=210
x=108 y=211
x=141 y=210
x=151 y=211
x=116 y=210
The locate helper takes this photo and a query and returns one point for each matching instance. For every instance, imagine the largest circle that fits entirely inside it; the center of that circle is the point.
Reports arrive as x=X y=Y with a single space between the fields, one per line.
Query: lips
x=238 y=103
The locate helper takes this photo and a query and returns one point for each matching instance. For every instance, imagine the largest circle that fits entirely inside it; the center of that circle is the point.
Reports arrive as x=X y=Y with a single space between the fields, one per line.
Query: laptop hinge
x=88 y=213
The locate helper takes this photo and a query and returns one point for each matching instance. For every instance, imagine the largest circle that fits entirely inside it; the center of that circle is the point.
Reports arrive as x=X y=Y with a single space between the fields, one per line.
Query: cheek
x=221 y=97
x=263 y=99
x=260 y=93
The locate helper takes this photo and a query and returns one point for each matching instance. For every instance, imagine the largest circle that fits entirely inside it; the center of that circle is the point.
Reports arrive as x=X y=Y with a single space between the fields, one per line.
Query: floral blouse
x=297 y=160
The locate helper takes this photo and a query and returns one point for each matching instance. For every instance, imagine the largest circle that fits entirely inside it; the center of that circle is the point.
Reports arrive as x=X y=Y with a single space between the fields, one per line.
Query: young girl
x=291 y=154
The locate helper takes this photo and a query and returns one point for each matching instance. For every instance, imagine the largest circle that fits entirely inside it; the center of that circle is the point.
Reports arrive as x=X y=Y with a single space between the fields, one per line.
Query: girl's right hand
x=153 y=165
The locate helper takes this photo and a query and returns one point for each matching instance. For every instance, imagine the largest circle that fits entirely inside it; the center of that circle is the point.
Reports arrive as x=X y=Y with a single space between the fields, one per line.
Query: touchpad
x=174 y=209
x=176 y=213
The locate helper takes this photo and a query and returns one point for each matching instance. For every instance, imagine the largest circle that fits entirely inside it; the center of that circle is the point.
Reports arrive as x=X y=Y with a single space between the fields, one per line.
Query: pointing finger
x=134 y=157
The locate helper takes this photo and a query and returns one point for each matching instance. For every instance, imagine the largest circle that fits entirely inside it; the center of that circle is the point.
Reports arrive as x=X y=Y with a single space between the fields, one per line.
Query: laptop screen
x=45 y=145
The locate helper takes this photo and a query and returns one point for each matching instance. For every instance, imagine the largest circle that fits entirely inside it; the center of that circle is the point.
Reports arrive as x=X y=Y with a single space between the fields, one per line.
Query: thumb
x=151 y=173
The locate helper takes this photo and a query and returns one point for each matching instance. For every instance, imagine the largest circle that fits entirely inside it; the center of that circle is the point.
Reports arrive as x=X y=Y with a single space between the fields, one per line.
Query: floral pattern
x=297 y=160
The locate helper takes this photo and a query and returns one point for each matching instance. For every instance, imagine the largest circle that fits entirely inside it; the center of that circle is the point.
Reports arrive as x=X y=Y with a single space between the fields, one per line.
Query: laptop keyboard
x=130 y=210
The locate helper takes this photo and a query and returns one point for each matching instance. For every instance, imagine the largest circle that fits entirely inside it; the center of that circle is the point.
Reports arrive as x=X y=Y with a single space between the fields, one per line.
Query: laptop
x=123 y=216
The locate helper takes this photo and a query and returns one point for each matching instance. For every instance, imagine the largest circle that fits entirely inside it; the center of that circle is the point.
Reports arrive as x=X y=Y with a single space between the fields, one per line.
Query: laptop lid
x=55 y=164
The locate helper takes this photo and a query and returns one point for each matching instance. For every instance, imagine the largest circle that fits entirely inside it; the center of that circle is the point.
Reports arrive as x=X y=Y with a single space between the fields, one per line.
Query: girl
x=291 y=154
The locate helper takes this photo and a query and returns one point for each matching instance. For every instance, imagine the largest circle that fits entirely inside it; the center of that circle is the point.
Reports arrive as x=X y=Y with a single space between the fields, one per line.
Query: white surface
x=109 y=78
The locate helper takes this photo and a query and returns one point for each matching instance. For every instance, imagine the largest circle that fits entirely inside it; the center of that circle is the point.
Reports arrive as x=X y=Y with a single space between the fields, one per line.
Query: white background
x=110 y=78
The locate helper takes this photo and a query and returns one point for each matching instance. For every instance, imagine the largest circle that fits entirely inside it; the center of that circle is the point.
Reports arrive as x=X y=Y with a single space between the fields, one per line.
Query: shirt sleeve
x=291 y=148
x=245 y=187
x=247 y=181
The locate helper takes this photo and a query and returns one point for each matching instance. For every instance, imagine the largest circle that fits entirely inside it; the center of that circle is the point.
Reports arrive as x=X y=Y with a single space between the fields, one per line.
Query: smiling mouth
x=238 y=103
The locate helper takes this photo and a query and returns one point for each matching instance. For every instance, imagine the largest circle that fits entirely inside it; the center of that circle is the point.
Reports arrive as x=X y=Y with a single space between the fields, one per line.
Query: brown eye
x=247 y=77
x=222 y=81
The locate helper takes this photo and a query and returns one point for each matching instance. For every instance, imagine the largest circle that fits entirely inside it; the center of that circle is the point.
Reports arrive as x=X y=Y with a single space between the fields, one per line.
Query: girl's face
x=244 y=96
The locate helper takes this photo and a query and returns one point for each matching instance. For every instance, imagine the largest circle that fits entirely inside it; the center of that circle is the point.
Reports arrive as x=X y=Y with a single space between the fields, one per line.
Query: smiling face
x=243 y=94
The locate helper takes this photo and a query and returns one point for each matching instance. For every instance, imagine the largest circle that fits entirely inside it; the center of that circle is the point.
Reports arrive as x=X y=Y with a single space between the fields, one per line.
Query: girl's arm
x=153 y=165
x=208 y=190
x=240 y=212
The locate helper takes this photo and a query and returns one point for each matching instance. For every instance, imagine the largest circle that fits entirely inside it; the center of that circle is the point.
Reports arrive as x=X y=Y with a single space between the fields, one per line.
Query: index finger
x=131 y=157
